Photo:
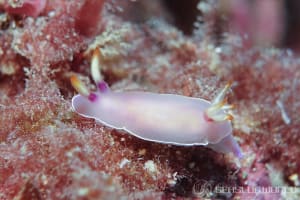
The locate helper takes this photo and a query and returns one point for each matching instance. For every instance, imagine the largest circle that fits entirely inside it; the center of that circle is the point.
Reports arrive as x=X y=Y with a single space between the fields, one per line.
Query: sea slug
x=164 y=118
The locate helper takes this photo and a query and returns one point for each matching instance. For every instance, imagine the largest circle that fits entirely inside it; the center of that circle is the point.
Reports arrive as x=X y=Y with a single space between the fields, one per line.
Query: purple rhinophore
x=92 y=97
x=102 y=86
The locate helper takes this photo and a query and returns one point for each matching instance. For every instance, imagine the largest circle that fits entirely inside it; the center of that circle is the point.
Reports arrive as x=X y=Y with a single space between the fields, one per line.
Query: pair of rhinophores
x=164 y=118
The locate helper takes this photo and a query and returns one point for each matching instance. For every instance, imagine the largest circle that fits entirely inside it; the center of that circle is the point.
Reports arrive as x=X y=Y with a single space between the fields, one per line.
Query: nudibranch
x=164 y=118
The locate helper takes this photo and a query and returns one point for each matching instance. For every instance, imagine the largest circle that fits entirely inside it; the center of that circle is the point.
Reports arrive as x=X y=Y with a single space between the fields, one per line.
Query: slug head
x=97 y=77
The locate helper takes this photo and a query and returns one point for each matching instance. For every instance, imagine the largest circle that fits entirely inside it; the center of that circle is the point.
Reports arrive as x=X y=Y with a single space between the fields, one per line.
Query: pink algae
x=88 y=17
x=49 y=152
x=25 y=7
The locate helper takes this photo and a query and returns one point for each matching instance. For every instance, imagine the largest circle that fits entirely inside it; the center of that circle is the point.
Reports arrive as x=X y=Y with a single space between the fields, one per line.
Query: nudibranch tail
x=217 y=110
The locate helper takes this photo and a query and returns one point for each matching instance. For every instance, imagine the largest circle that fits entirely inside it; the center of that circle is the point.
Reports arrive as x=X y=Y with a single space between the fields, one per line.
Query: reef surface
x=49 y=152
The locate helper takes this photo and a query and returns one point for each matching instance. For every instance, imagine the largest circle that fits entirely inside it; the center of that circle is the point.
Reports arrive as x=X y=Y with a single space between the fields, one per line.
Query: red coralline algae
x=9 y=60
x=49 y=152
x=36 y=37
x=248 y=16
x=25 y=7
x=88 y=17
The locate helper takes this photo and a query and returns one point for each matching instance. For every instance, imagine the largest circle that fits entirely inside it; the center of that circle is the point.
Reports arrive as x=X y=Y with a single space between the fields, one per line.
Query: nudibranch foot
x=164 y=118
x=228 y=145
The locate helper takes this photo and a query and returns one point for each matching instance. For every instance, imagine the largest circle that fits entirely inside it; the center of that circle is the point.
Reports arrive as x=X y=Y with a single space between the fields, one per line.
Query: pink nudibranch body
x=164 y=118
